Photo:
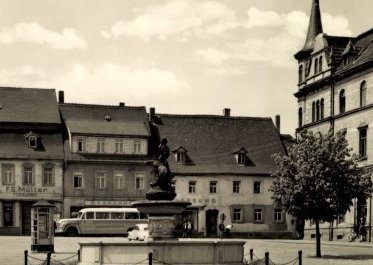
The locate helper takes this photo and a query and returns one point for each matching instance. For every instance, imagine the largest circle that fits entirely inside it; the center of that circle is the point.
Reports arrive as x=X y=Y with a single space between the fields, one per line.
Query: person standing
x=228 y=228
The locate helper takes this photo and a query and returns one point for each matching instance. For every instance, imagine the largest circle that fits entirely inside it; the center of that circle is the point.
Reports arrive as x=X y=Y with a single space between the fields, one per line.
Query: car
x=138 y=232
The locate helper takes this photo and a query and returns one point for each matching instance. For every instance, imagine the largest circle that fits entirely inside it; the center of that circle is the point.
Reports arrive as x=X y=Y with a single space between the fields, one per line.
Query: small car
x=138 y=232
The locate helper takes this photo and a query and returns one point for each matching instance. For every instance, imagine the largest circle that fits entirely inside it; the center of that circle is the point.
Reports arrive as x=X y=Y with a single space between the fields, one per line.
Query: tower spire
x=314 y=29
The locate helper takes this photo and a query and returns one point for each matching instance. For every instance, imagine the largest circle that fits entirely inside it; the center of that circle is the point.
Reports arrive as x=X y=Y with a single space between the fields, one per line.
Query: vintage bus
x=101 y=221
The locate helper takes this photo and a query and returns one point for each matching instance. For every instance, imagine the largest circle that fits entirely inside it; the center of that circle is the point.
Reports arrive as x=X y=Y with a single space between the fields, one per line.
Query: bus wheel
x=71 y=232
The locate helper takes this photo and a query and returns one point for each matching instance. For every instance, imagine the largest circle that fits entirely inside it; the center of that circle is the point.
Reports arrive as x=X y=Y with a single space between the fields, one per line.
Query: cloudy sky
x=179 y=56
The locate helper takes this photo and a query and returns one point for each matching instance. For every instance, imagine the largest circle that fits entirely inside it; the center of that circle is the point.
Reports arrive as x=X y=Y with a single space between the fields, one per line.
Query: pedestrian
x=185 y=229
x=189 y=228
x=228 y=230
x=221 y=230
x=362 y=230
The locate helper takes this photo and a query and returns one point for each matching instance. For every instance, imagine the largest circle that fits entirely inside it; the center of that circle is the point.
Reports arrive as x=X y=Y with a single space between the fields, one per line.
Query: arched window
x=320 y=64
x=317 y=110
x=300 y=117
x=322 y=109
x=316 y=65
x=313 y=111
x=363 y=93
x=342 y=101
x=300 y=73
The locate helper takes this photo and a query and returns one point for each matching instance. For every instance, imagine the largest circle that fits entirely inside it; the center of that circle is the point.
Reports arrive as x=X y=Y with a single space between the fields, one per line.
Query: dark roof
x=211 y=140
x=28 y=105
x=14 y=145
x=105 y=120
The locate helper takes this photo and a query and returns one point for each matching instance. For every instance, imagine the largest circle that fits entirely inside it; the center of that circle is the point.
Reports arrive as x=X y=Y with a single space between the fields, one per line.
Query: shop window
x=8 y=214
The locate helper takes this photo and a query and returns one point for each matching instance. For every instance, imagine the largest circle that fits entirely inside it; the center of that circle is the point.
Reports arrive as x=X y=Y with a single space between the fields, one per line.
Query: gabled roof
x=211 y=139
x=28 y=105
x=105 y=120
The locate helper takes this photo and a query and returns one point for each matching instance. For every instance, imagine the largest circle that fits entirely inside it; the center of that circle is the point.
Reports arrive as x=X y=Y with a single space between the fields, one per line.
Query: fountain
x=162 y=247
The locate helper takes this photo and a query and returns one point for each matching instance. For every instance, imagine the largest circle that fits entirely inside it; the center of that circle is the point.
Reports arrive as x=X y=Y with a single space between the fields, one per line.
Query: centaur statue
x=161 y=187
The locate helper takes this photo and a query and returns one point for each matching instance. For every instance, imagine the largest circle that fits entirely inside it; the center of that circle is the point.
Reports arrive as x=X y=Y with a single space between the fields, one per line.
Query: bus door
x=87 y=225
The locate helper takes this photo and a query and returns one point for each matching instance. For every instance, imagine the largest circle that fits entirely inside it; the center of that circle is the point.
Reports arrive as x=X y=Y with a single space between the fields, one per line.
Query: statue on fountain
x=161 y=188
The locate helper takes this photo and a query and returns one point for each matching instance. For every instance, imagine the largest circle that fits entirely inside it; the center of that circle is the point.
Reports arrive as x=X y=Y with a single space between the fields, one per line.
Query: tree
x=318 y=179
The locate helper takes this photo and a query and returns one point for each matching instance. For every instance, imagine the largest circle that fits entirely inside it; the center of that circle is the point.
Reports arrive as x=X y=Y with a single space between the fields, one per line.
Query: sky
x=179 y=56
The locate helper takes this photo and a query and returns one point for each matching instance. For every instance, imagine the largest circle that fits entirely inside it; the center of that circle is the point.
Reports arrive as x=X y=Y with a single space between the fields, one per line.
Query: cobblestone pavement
x=280 y=251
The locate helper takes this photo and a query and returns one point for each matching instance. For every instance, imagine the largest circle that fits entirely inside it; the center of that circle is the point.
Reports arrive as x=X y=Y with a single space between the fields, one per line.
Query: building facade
x=105 y=152
x=222 y=165
x=31 y=155
x=335 y=91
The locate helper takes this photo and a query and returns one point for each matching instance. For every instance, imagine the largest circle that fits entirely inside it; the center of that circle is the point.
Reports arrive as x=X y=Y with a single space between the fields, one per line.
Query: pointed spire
x=314 y=29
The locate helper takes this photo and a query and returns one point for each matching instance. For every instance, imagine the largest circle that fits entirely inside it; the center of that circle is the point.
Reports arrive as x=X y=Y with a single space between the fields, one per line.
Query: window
x=117 y=216
x=82 y=144
x=90 y=215
x=300 y=73
x=32 y=141
x=28 y=178
x=241 y=158
x=320 y=64
x=137 y=147
x=48 y=175
x=100 y=145
x=317 y=110
x=140 y=179
x=192 y=186
x=363 y=94
x=313 y=110
x=7 y=171
x=258 y=215
x=316 y=65
x=300 y=117
x=119 y=146
x=118 y=180
x=180 y=157
x=100 y=180
x=213 y=185
x=322 y=109
x=8 y=214
x=363 y=141
x=277 y=215
x=102 y=215
x=78 y=180
x=342 y=101
x=257 y=186
x=237 y=215
x=236 y=186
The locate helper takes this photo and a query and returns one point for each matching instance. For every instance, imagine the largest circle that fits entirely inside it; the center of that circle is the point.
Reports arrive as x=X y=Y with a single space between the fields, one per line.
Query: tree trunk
x=318 y=240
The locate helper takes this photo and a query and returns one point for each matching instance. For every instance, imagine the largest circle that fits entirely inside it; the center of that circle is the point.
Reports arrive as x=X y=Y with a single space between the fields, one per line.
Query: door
x=212 y=222
x=26 y=218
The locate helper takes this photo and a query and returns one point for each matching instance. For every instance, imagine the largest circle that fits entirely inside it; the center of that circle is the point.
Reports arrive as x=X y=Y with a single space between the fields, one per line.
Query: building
x=335 y=91
x=222 y=165
x=105 y=150
x=31 y=155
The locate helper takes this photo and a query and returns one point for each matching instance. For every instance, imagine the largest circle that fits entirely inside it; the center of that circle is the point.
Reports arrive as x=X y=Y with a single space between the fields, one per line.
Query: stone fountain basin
x=160 y=207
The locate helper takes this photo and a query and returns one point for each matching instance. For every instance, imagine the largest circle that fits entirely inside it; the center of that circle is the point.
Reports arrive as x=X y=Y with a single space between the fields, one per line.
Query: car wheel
x=71 y=232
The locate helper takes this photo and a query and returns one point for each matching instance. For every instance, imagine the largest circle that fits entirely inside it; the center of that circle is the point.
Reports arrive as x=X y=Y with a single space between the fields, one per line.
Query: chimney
x=61 y=96
x=151 y=114
x=121 y=104
x=278 y=123
x=226 y=112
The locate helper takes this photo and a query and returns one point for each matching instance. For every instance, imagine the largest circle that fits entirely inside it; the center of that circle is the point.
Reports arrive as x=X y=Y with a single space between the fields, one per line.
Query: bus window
x=89 y=215
x=81 y=215
x=102 y=215
x=117 y=216
x=132 y=215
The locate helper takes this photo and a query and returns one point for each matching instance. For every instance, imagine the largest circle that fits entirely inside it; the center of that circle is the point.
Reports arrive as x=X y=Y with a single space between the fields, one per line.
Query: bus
x=101 y=221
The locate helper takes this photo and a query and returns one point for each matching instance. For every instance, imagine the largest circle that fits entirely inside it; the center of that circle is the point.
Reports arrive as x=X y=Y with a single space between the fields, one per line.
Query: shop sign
x=107 y=203
x=26 y=191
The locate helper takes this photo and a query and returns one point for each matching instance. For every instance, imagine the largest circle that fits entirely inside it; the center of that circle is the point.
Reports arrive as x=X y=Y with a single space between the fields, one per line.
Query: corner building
x=335 y=91
x=222 y=165
x=31 y=155
x=105 y=150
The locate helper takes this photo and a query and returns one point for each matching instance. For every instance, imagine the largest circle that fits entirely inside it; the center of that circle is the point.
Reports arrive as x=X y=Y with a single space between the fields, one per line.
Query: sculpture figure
x=162 y=173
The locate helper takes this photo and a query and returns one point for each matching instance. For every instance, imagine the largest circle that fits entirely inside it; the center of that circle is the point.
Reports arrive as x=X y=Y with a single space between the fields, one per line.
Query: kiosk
x=42 y=226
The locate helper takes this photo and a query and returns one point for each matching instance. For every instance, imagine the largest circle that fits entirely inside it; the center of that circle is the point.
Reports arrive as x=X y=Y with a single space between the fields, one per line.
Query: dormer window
x=32 y=140
x=180 y=155
x=241 y=156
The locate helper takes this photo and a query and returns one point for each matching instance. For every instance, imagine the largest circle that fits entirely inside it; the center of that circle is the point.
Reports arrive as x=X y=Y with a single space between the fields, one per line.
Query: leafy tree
x=318 y=179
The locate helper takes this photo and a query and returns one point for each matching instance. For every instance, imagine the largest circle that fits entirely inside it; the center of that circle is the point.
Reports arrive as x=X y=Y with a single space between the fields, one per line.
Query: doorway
x=212 y=223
